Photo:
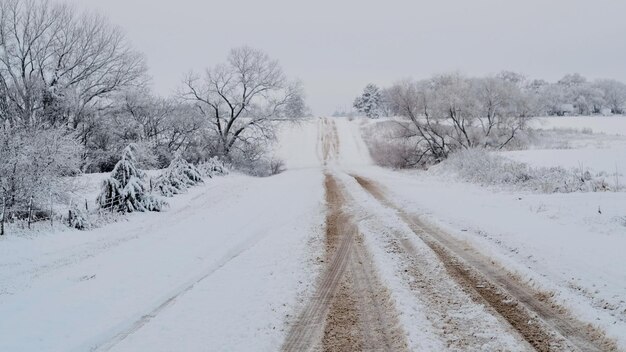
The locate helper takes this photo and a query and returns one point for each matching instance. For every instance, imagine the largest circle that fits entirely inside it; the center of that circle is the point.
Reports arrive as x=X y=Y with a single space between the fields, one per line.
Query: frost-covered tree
x=179 y=176
x=34 y=165
x=125 y=190
x=296 y=105
x=164 y=127
x=242 y=99
x=450 y=112
x=369 y=103
x=515 y=78
x=55 y=63
x=614 y=94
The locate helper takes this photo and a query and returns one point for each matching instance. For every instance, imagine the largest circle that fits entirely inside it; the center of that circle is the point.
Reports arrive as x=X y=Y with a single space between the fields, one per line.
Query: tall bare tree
x=55 y=63
x=243 y=97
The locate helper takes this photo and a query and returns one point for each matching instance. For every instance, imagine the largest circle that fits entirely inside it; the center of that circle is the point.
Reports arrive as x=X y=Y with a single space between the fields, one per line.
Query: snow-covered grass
x=609 y=125
x=596 y=144
x=489 y=169
x=609 y=160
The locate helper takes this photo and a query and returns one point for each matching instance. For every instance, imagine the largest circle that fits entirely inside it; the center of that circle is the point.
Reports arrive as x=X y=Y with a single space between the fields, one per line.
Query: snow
x=298 y=144
x=233 y=259
x=353 y=151
x=569 y=244
x=558 y=241
x=377 y=223
x=610 y=125
x=606 y=159
x=78 y=290
x=603 y=150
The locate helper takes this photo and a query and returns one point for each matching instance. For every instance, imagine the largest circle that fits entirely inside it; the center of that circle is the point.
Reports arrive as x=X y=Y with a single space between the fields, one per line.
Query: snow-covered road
x=252 y=264
x=221 y=268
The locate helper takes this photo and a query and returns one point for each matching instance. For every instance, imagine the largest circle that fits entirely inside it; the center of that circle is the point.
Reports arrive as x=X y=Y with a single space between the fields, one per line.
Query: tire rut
x=545 y=325
x=350 y=310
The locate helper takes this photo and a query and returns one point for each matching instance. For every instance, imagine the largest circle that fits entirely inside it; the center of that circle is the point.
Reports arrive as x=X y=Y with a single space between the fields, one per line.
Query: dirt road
x=471 y=302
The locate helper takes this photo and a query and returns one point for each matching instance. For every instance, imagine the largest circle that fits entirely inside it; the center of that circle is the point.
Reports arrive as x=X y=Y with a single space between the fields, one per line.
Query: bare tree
x=413 y=100
x=242 y=98
x=54 y=63
x=450 y=112
x=502 y=109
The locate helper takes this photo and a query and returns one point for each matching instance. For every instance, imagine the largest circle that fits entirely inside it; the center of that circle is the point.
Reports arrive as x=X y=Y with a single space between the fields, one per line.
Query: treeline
x=570 y=96
x=449 y=112
x=74 y=94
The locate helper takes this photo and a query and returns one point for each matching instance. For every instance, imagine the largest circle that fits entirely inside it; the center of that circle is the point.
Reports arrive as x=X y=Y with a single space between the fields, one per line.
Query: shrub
x=485 y=168
x=125 y=190
x=390 y=146
x=179 y=176
x=213 y=167
x=276 y=166
x=34 y=164
x=77 y=218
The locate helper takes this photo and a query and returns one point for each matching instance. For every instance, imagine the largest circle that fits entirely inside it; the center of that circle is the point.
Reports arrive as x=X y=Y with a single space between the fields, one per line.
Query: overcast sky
x=336 y=47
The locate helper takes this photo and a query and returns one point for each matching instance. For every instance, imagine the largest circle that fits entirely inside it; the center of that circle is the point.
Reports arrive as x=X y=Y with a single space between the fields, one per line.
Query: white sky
x=336 y=47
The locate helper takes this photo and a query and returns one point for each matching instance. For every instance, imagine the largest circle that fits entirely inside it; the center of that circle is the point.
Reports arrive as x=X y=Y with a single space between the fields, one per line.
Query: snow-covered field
x=609 y=125
x=597 y=143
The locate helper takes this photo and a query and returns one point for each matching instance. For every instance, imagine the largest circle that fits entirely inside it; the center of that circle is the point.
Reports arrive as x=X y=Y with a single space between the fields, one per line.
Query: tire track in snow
x=306 y=333
x=350 y=310
x=118 y=334
x=73 y=255
x=544 y=324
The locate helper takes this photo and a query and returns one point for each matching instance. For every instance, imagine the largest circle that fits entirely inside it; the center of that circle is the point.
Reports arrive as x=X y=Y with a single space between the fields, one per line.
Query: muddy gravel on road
x=350 y=309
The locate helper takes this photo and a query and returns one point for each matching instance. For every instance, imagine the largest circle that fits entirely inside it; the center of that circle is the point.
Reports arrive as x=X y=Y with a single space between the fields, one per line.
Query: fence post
x=51 y=213
x=30 y=209
x=69 y=214
x=4 y=206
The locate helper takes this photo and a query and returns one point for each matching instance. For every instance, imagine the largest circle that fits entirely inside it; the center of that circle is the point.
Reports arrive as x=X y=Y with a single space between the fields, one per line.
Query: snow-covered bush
x=262 y=167
x=485 y=168
x=77 y=218
x=277 y=166
x=213 y=167
x=125 y=189
x=179 y=176
x=369 y=103
x=34 y=164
